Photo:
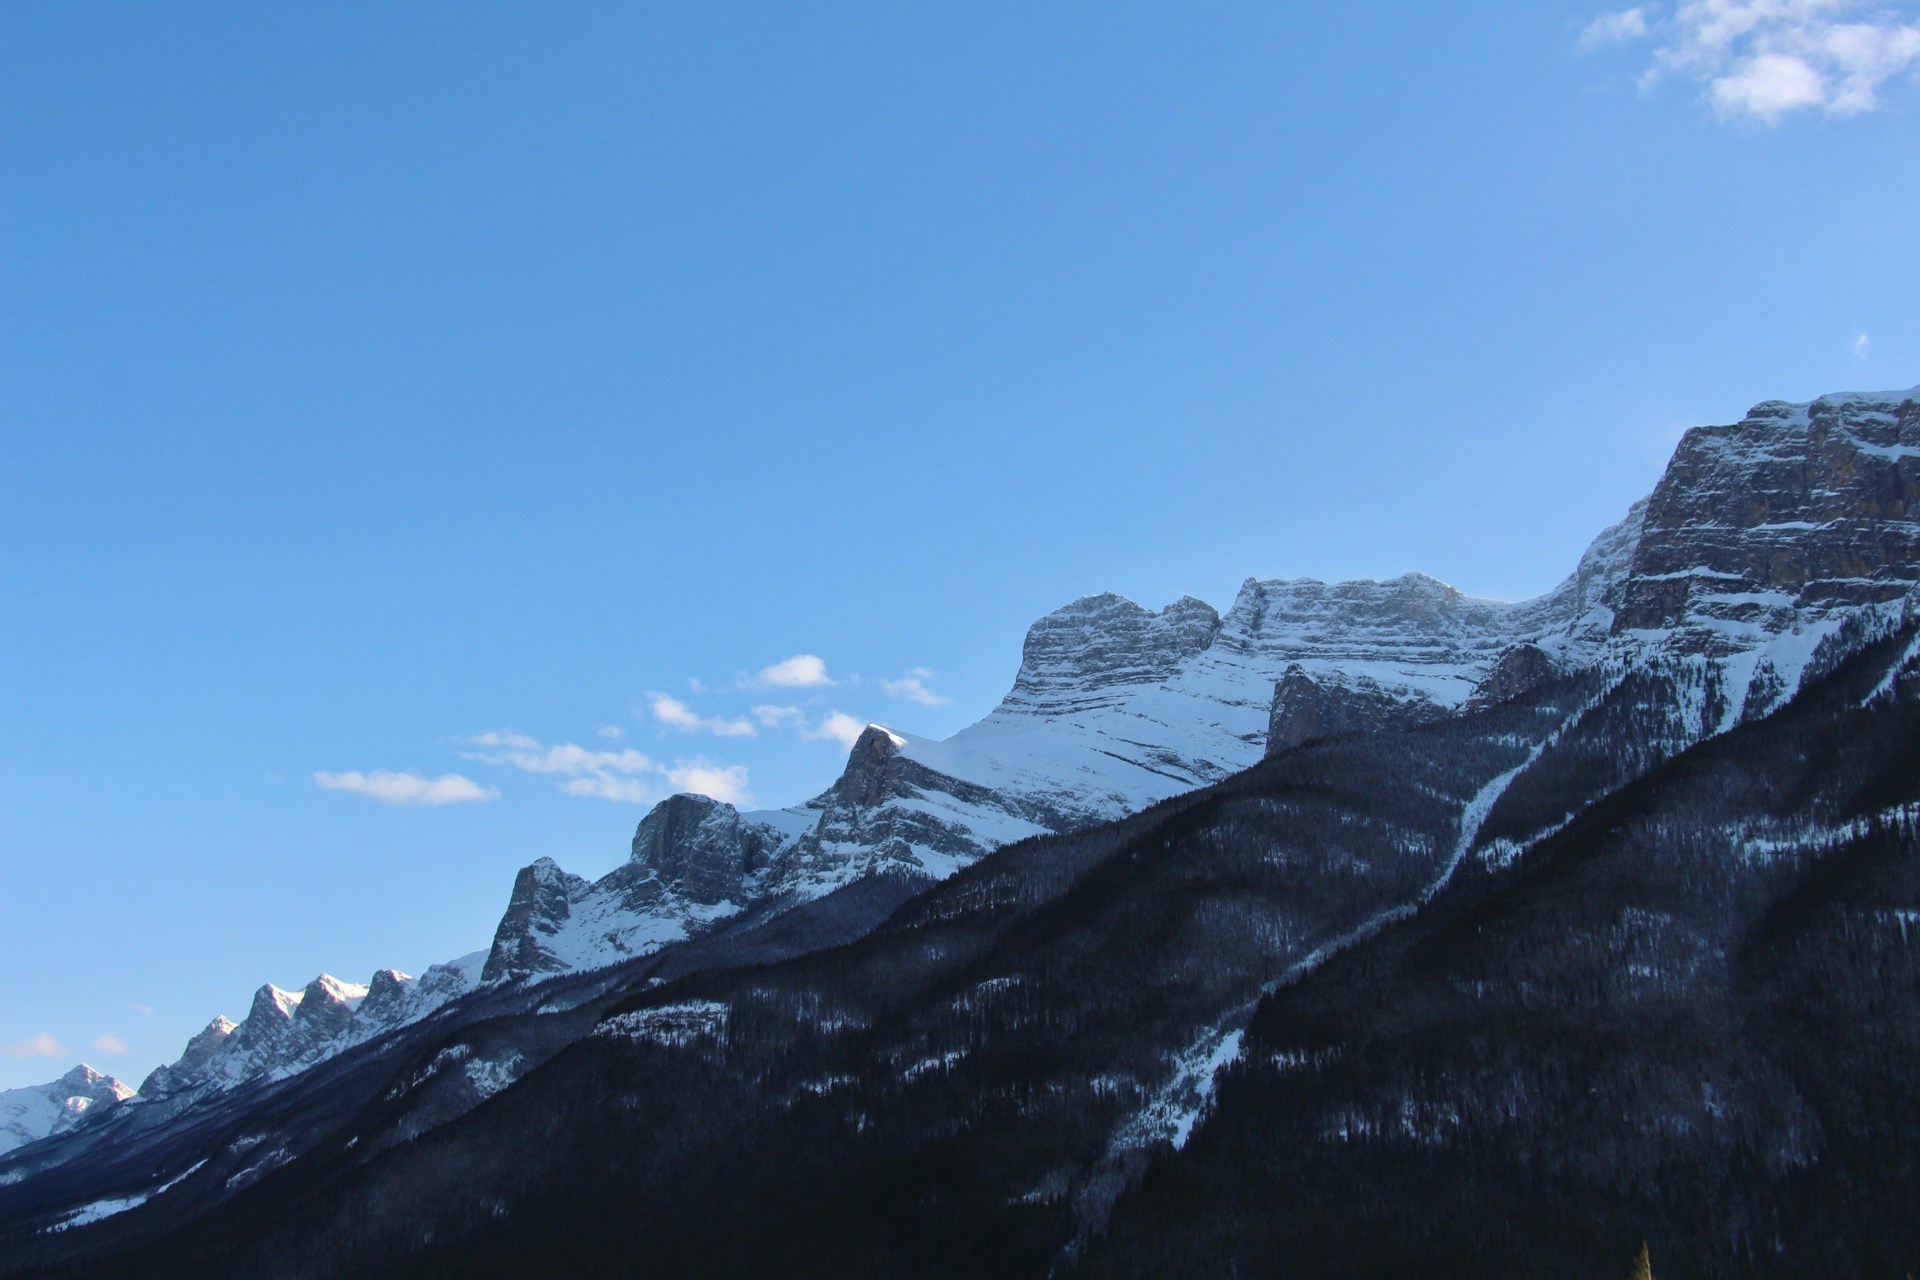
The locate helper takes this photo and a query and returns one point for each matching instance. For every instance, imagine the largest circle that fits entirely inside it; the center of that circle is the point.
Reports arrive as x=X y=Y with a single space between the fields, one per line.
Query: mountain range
x=1365 y=927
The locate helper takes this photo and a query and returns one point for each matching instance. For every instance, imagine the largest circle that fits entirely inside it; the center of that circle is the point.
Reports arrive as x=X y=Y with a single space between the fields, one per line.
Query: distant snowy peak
x=42 y=1110
x=285 y=1032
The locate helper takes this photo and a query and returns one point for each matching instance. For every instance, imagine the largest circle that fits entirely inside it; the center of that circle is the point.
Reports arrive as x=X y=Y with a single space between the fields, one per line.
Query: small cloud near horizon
x=389 y=787
x=39 y=1045
x=109 y=1043
x=836 y=726
x=1861 y=345
x=725 y=783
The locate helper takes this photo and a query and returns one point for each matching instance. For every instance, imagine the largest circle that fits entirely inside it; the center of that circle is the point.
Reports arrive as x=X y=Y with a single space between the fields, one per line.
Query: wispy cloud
x=611 y=732
x=774 y=717
x=801 y=671
x=1615 y=28
x=1861 y=346
x=408 y=788
x=1765 y=60
x=529 y=756
x=625 y=776
x=676 y=714
x=504 y=738
x=912 y=688
x=837 y=726
x=137 y=1007
x=607 y=787
x=40 y=1045
x=109 y=1044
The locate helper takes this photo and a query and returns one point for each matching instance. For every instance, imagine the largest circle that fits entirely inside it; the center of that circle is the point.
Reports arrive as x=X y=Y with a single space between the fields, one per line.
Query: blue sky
x=431 y=431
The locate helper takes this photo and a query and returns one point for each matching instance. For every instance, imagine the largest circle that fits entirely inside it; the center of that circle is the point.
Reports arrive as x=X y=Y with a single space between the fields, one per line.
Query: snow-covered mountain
x=1763 y=538
x=287 y=1031
x=40 y=1110
x=1772 y=550
x=1760 y=539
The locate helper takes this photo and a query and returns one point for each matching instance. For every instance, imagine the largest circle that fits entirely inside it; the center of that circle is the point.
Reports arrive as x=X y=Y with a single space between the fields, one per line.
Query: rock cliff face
x=1779 y=520
x=1305 y=709
x=40 y=1111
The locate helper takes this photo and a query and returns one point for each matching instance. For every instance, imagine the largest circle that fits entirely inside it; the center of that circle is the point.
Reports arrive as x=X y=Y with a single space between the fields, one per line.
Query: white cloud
x=774 y=717
x=408 y=788
x=141 y=1008
x=625 y=776
x=1767 y=59
x=912 y=687
x=606 y=787
x=727 y=783
x=801 y=671
x=611 y=732
x=1766 y=87
x=504 y=738
x=1613 y=28
x=677 y=714
x=1861 y=345
x=109 y=1044
x=41 y=1045
x=838 y=726
x=563 y=758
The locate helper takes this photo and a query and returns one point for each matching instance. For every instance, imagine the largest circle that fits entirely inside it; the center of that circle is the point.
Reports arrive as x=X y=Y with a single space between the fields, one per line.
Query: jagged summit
x=287 y=1031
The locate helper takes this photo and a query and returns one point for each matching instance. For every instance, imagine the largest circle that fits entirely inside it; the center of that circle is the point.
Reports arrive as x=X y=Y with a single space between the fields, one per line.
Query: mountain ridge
x=1765 y=541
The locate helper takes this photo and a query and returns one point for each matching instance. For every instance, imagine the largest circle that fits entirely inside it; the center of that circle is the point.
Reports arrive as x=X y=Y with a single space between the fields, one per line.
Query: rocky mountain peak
x=1766 y=524
x=84 y=1081
x=1078 y=653
x=39 y=1111
x=867 y=779
x=543 y=898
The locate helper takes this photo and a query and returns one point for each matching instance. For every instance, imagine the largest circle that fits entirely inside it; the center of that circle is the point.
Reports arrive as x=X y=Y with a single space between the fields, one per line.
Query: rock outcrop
x=1520 y=669
x=1780 y=519
x=1305 y=708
